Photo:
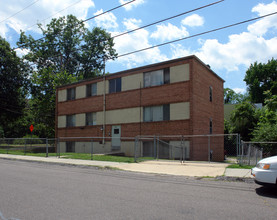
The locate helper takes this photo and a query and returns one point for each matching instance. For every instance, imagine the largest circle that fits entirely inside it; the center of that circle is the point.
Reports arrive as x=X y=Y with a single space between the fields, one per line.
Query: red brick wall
x=202 y=109
x=171 y=93
x=195 y=91
x=131 y=130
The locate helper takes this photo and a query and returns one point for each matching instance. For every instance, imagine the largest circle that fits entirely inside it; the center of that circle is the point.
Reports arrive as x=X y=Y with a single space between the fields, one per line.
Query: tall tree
x=67 y=46
x=260 y=78
x=244 y=119
x=231 y=97
x=67 y=52
x=13 y=84
x=266 y=129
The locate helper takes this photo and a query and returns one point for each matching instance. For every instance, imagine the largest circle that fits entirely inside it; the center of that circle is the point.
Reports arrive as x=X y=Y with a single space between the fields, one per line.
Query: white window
x=91 y=89
x=91 y=118
x=156 y=113
x=70 y=121
x=156 y=78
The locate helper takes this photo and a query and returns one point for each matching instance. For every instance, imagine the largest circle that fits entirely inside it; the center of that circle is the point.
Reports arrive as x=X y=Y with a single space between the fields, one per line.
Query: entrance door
x=116 y=134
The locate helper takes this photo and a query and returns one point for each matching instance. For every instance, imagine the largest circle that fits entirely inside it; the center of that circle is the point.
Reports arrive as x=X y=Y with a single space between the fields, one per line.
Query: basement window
x=70 y=146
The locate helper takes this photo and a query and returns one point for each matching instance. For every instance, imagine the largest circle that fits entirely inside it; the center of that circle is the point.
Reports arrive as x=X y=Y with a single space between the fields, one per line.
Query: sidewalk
x=189 y=168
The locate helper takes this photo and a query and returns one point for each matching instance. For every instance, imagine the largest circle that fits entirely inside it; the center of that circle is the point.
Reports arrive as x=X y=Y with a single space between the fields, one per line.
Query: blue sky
x=229 y=52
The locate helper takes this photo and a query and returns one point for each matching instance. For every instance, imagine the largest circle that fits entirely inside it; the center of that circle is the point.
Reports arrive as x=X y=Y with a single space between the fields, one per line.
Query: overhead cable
x=196 y=35
x=20 y=11
x=85 y=20
x=166 y=19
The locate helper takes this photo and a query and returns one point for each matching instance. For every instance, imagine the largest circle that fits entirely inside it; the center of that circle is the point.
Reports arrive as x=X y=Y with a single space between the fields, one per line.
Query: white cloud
x=193 y=20
x=42 y=10
x=241 y=49
x=239 y=90
x=262 y=26
x=132 y=5
x=169 y=32
x=136 y=41
x=107 y=20
x=21 y=52
x=179 y=51
x=131 y=23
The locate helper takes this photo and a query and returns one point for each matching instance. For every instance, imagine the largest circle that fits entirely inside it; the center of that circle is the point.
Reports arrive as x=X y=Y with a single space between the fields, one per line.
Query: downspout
x=104 y=104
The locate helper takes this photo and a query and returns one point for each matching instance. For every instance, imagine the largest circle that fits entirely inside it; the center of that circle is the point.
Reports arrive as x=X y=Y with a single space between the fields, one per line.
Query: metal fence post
x=135 y=149
x=209 y=149
x=241 y=153
x=46 y=147
x=59 y=153
x=155 y=148
x=249 y=151
x=237 y=145
x=158 y=146
x=91 y=150
x=256 y=152
x=24 y=146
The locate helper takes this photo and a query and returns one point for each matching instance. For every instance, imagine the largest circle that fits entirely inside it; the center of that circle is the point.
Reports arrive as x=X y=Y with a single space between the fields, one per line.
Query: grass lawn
x=238 y=166
x=80 y=156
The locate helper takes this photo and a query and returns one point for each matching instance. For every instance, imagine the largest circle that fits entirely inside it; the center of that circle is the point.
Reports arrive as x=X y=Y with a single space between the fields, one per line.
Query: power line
x=56 y=13
x=166 y=19
x=86 y=20
x=148 y=25
x=196 y=35
x=108 y=11
x=20 y=11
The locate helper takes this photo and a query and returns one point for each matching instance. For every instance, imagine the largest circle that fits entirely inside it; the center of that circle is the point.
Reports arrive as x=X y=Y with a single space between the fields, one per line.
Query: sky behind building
x=229 y=52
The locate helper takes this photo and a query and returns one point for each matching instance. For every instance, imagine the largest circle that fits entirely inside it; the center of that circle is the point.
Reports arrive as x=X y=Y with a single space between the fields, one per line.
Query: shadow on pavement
x=267 y=191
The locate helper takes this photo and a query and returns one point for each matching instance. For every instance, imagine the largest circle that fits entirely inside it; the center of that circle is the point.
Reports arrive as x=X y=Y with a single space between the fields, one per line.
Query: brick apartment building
x=177 y=97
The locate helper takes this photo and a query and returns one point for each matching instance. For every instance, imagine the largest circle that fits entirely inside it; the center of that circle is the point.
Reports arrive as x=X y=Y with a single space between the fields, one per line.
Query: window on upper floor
x=92 y=89
x=211 y=93
x=115 y=85
x=71 y=94
x=70 y=121
x=91 y=118
x=156 y=78
x=156 y=113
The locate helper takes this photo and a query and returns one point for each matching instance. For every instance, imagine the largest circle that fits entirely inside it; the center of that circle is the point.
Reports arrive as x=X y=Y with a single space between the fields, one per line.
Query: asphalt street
x=31 y=190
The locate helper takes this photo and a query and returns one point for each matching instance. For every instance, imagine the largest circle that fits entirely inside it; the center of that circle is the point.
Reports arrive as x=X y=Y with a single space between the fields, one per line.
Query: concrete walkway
x=189 y=168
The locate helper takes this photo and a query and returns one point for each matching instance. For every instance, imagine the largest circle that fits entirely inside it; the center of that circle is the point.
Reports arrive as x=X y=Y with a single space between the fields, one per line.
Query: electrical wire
x=148 y=25
x=107 y=11
x=85 y=20
x=166 y=19
x=199 y=34
x=20 y=11
x=56 y=13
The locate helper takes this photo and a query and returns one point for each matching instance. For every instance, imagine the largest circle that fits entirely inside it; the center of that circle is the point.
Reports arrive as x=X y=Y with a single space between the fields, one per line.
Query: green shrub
x=28 y=139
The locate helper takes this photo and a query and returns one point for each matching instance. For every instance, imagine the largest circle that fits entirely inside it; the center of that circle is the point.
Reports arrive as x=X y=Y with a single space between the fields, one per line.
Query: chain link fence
x=251 y=152
x=23 y=146
x=188 y=147
x=140 y=148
